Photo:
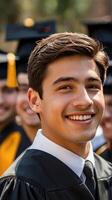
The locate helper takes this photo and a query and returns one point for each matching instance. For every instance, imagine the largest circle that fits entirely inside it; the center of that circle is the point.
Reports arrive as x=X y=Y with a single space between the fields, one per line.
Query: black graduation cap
x=21 y=65
x=3 y=65
x=101 y=29
x=27 y=34
x=8 y=68
x=30 y=30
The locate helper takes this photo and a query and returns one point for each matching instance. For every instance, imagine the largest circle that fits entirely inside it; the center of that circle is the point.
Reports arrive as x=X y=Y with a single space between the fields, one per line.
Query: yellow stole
x=8 y=150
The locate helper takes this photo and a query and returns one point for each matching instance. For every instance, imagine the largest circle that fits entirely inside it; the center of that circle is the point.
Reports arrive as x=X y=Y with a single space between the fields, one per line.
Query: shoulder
x=16 y=185
x=41 y=170
x=30 y=165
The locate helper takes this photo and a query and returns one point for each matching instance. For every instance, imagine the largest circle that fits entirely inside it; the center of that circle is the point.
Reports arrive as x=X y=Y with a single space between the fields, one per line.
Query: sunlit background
x=69 y=14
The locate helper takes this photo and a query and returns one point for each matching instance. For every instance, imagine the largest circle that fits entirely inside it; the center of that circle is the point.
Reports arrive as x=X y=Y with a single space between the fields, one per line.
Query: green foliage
x=68 y=13
x=9 y=11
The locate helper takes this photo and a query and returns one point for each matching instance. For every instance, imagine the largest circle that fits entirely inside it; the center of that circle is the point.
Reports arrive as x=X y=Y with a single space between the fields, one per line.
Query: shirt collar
x=73 y=161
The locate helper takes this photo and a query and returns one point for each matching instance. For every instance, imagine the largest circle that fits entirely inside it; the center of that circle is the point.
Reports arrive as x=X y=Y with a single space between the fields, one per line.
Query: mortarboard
x=30 y=30
x=8 y=68
x=27 y=34
x=101 y=29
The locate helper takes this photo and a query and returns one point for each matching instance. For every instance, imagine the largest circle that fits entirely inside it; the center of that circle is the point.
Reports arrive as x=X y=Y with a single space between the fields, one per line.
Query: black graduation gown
x=40 y=176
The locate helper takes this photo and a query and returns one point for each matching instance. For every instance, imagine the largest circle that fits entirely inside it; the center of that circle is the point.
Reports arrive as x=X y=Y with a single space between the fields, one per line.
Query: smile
x=80 y=117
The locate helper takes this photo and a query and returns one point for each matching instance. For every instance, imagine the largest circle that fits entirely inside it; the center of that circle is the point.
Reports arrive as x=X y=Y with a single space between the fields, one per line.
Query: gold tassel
x=11 y=71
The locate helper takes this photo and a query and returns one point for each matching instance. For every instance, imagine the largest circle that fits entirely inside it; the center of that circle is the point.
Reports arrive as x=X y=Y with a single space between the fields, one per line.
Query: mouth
x=80 y=118
x=26 y=108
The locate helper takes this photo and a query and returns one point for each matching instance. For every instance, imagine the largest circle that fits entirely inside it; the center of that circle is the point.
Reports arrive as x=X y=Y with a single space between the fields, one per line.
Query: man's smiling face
x=73 y=102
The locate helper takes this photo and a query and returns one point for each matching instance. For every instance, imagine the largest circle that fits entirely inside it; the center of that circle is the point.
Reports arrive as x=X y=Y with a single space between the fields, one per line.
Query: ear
x=34 y=100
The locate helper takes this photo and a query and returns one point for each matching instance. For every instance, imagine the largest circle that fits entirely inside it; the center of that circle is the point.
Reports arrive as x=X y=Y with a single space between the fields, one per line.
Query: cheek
x=55 y=106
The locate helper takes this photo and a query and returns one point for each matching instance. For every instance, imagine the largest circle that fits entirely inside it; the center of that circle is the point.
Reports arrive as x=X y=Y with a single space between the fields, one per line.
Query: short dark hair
x=60 y=45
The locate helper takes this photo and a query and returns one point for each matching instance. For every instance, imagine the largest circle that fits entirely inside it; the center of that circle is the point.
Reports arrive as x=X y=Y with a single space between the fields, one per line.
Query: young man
x=66 y=72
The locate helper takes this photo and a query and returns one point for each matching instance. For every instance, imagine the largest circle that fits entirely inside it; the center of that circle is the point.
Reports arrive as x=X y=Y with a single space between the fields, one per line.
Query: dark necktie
x=90 y=179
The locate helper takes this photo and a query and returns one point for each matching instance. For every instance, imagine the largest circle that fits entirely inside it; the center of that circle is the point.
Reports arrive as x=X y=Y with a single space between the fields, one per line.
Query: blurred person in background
x=27 y=34
x=11 y=137
x=25 y=116
x=101 y=29
x=105 y=150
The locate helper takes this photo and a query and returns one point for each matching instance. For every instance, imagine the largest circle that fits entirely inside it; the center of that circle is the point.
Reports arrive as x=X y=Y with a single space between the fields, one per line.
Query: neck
x=81 y=150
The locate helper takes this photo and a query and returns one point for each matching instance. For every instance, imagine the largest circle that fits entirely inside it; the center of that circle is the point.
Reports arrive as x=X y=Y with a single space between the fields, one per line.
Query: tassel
x=11 y=71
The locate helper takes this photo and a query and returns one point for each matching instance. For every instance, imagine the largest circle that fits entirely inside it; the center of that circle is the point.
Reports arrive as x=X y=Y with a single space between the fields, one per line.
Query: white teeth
x=80 y=117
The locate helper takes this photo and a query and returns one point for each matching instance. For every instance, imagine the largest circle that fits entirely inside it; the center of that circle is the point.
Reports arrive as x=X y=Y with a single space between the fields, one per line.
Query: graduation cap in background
x=8 y=68
x=21 y=65
x=27 y=34
x=101 y=29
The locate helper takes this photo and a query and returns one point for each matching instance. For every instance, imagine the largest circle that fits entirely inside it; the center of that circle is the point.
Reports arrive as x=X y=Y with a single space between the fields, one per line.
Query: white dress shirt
x=72 y=160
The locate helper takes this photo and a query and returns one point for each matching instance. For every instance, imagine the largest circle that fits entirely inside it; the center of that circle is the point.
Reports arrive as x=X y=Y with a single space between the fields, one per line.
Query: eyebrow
x=64 y=79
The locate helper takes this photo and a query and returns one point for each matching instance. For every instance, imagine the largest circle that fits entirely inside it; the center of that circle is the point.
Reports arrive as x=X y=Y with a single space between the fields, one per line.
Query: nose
x=83 y=99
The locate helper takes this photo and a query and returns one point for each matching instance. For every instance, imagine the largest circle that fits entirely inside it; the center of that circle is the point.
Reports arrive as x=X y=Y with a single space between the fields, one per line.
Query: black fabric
x=38 y=30
x=107 y=155
x=11 y=127
x=40 y=176
x=101 y=30
x=90 y=178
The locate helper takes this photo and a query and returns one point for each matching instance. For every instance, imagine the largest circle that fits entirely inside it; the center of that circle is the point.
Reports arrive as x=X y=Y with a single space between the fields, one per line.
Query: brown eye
x=65 y=87
x=94 y=86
